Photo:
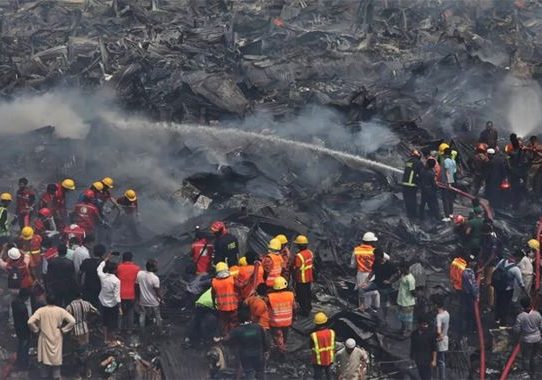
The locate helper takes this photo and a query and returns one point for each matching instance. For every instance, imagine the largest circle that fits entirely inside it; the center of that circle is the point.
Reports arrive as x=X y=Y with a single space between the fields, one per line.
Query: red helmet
x=88 y=194
x=459 y=219
x=481 y=148
x=45 y=212
x=217 y=226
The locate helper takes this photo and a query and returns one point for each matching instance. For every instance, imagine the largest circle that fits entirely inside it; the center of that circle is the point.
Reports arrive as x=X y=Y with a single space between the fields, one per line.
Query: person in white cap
x=352 y=361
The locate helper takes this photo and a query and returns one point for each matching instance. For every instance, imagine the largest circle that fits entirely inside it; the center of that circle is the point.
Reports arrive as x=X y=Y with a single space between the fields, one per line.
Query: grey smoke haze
x=524 y=105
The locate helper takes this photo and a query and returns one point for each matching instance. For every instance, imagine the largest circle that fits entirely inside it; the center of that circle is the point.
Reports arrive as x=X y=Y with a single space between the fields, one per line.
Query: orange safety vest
x=456 y=272
x=281 y=308
x=303 y=266
x=276 y=268
x=225 y=296
x=364 y=257
x=33 y=249
x=323 y=347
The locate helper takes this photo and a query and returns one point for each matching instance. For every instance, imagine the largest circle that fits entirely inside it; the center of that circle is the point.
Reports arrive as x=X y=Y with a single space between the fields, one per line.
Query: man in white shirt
x=352 y=361
x=109 y=297
x=443 y=324
x=81 y=252
x=525 y=265
x=148 y=293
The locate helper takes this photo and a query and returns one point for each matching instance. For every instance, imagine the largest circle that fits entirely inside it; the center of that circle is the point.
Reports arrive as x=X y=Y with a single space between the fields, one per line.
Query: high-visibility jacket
x=281 y=308
x=303 y=266
x=323 y=347
x=225 y=295
x=86 y=215
x=273 y=267
x=364 y=257
x=206 y=300
x=32 y=248
x=4 y=227
x=457 y=267
x=411 y=172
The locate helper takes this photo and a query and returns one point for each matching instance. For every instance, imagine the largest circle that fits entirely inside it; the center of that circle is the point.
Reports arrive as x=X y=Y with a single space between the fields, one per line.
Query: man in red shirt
x=86 y=214
x=127 y=273
x=25 y=202
x=202 y=252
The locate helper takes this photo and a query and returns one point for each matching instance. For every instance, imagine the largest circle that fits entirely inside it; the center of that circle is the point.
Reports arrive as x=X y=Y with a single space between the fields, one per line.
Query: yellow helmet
x=131 y=195
x=274 y=245
x=221 y=266
x=243 y=261
x=320 y=318
x=108 y=181
x=98 y=185
x=534 y=244
x=280 y=283
x=27 y=233
x=301 y=240
x=6 y=197
x=282 y=238
x=68 y=184
x=442 y=147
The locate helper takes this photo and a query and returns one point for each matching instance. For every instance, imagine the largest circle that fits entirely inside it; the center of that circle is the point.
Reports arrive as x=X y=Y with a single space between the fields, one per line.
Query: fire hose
x=510 y=362
x=483 y=202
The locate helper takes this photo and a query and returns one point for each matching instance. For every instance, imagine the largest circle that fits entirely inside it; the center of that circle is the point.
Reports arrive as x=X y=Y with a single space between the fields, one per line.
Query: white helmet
x=369 y=237
x=14 y=254
x=350 y=343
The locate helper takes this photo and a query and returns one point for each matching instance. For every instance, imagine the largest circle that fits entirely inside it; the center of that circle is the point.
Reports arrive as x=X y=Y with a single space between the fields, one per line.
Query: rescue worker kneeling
x=281 y=305
x=225 y=298
x=323 y=347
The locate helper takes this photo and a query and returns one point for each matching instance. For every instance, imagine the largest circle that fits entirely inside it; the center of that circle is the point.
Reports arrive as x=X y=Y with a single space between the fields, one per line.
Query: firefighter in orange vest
x=363 y=259
x=272 y=262
x=224 y=296
x=30 y=244
x=323 y=347
x=303 y=275
x=286 y=256
x=245 y=281
x=457 y=267
x=281 y=305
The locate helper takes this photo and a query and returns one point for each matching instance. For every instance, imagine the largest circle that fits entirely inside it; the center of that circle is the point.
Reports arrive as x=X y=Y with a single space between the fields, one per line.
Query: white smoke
x=523 y=105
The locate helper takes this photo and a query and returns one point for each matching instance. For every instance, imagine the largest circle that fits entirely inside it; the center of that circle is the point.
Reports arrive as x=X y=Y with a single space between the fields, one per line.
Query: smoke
x=523 y=98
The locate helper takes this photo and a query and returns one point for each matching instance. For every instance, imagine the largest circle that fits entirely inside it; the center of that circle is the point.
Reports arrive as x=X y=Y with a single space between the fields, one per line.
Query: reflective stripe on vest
x=323 y=342
x=225 y=296
x=364 y=257
x=456 y=272
x=276 y=269
x=408 y=175
x=281 y=305
x=305 y=270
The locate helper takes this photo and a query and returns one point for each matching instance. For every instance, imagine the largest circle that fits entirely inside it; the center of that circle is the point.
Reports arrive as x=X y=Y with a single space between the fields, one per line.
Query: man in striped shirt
x=80 y=333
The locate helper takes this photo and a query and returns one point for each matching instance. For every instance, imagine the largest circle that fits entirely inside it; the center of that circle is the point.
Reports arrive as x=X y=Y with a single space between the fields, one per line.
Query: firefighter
x=281 y=303
x=322 y=342
x=96 y=188
x=245 y=281
x=44 y=225
x=413 y=167
x=272 y=262
x=479 y=164
x=202 y=252
x=62 y=190
x=534 y=149
x=286 y=256
x=30 y=244
x=225 y=298
x=47 y=199
x=73 y=231
x=303 y=275
x=105 y=195
x=496 y=175
x=85 y=214
x=516 y=163
x=226 y=244
x=363 y=259
x=25 y=202
x=129 y=216
x=5 y=224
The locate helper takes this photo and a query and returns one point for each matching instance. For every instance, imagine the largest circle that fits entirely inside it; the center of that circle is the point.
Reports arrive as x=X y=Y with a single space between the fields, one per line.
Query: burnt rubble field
x=277 y=117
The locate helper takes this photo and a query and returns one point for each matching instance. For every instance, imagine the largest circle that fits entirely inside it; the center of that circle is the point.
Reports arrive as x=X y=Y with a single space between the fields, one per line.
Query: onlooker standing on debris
x=525 y=265
x=385 y=274
x=81 y=252
x=489 y=135
x=505 y=277
x=323 y=347
x=303 y=275
x=202 y=252
x=60 y=277
x=528 y=325
x=406 y=299
x=88 y=276
x=127 y=273
x=411 y=174
x=51 y=322
x=148 y=294
x=226 y=245
x=80 y=333
x=495 y=176
x=423 y=348
x=225 y=298
x=252 y=345
x=442 y=323
x=470 y=292
x=20 y=314
x=109 y=297
x=449 y=168
x=352 y=361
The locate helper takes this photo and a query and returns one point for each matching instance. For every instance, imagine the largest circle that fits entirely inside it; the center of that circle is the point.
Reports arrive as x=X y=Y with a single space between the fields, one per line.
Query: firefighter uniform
x=281 y=312
x=272 y=266
x=411 y=173
x=225 y=297
x=303 y=276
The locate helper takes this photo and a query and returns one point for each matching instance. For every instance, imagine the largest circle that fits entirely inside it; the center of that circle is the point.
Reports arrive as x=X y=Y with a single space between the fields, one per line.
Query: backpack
x=501 y=277
x=15 y=277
